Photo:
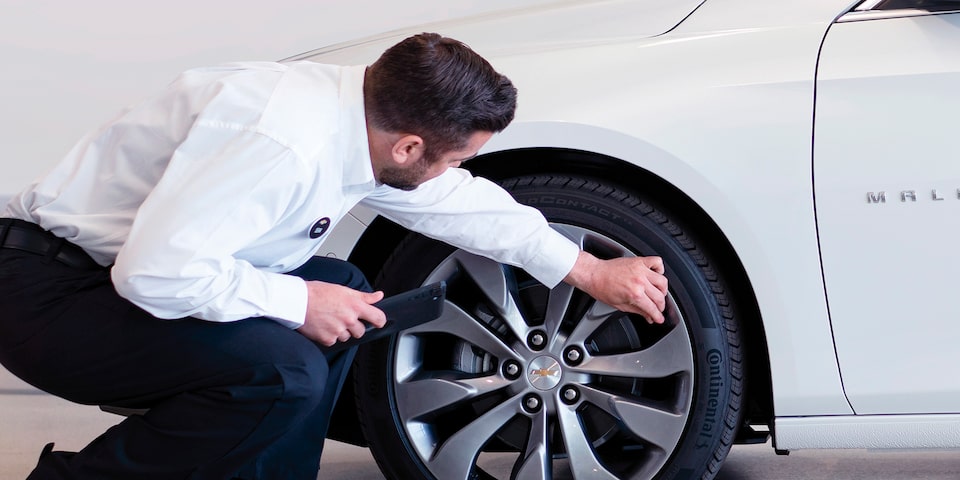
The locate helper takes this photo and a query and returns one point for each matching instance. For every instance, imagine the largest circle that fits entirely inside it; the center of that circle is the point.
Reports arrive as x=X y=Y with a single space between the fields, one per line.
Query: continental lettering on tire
x=715 y=387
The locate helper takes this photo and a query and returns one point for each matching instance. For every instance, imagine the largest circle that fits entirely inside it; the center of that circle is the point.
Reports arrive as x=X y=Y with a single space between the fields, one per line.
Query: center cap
x=544 y=372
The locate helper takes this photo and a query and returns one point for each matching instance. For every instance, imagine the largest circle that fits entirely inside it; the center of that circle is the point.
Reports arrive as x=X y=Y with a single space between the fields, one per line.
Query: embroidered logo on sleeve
x=320 y=227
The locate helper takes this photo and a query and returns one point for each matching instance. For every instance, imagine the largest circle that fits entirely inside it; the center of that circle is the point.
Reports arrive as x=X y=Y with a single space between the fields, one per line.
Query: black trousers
x=245 y=399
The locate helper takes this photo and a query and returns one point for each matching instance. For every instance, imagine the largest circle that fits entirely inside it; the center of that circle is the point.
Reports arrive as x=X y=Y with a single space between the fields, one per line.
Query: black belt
x=29 y=237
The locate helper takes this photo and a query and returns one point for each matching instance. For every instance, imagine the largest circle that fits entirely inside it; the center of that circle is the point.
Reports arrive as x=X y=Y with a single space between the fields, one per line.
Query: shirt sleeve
x=223 y=189
x=478 y=216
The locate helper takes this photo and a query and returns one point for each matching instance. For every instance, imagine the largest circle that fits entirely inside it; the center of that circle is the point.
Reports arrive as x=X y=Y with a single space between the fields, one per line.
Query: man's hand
x=629 y=284
x=336 y=313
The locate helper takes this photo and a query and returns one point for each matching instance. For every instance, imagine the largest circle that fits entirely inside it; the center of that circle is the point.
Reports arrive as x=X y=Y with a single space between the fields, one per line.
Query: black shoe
x=51 y=464
x=47 y=449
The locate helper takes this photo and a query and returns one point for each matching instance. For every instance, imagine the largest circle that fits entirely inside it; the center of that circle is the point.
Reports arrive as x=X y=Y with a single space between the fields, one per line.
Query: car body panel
x=889 y=265
x=722 y=107
x=343 y=238
x=638 y=99
x=558 y=25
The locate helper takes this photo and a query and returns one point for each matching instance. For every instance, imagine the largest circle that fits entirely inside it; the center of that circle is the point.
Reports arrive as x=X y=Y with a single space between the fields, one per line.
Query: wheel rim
x=561 y=385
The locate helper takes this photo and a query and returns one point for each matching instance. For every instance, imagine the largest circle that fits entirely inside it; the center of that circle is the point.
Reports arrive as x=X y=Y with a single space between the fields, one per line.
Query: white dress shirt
x=205 y=194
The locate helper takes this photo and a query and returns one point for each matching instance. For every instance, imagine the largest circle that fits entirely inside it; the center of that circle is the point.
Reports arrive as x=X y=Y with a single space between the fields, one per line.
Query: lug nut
x=511 y=370
x=531 y=403
x=537 y=339
x=570 y=395
x=573 y=355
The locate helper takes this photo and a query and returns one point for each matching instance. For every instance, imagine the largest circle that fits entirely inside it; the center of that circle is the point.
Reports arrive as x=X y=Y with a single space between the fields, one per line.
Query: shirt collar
x=357 y=167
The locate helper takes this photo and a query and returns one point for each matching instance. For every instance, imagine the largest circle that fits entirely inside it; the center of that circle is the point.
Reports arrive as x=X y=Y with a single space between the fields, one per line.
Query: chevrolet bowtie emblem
x=544 y=373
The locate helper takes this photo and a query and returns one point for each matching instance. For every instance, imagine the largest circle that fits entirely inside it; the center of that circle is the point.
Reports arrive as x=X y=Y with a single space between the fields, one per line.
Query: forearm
x=478 y=216
x=584 y=271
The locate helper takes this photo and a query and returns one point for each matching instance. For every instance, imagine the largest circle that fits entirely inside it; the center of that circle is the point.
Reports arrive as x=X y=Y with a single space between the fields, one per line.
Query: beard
x=405 y=179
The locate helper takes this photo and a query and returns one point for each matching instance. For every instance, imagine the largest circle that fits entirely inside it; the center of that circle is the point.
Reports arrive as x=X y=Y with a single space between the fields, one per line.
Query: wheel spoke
x=443 y=391
x=670 y=355
x=659 y=427
x=456 y=322
x=558 y=302
x=583 y=460
x=588 y=240
x=591 y=321
x=455 y=457
x=535 y=464
x=493 y=282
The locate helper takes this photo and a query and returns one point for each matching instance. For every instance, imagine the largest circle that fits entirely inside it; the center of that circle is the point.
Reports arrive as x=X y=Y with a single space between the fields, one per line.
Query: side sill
x=868 y=431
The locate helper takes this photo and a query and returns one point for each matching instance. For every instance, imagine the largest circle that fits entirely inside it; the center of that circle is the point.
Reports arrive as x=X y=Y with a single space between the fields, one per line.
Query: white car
x=796 y=164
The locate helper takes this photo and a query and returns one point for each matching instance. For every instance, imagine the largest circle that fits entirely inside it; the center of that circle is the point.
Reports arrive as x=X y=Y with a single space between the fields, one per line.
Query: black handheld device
x=403 y=310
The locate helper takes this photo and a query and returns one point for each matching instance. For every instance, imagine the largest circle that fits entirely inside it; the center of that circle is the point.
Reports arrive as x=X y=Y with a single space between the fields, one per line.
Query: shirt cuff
x=554 y=259
x=288 y=304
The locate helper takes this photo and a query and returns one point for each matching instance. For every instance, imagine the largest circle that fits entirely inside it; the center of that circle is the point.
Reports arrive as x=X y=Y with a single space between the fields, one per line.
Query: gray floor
x=29 y=419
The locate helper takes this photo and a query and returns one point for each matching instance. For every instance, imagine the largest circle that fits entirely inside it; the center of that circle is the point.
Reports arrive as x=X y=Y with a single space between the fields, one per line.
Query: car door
x=887 y=186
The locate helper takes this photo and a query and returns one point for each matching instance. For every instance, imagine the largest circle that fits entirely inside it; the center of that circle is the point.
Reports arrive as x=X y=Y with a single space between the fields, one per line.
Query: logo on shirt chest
x=319 y=227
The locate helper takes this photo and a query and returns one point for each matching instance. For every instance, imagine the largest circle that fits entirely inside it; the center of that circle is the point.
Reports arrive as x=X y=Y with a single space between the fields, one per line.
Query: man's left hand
x=629 y=284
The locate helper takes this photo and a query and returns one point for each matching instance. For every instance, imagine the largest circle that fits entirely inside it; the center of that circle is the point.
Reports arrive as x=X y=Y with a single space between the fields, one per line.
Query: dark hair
x=437 y=88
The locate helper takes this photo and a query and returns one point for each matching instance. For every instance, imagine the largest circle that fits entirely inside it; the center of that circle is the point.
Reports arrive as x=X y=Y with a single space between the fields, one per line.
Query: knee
x=355 y=278
x=305 y=383
x=348 y=274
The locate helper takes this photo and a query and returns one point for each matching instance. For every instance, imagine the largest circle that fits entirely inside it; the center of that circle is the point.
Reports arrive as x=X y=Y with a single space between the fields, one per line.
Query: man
x=167 y=262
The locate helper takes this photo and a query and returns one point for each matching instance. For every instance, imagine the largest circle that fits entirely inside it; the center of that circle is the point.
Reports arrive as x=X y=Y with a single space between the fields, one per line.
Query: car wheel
x=519 y=381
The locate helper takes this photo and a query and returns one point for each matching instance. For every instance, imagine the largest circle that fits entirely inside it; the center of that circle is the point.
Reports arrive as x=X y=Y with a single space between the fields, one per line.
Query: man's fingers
x=644 y=306
x=659 y=296
x=660 y=282
x=651 y=311
x=372 y=297
x=654 y=263
x=373 y=315
x=327 y=341
x=355 y=329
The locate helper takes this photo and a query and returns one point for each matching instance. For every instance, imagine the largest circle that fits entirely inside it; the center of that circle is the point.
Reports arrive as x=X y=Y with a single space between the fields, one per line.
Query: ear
x=407 y=149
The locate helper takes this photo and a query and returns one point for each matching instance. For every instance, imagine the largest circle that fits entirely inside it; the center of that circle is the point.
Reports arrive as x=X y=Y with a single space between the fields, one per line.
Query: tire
x=518 y=381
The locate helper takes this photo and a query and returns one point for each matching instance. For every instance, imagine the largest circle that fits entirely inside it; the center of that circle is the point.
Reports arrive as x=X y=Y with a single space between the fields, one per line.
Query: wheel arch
x=378 y=240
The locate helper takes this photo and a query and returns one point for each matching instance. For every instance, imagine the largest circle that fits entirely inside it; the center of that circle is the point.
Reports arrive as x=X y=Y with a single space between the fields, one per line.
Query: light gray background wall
x=68 y=66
